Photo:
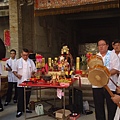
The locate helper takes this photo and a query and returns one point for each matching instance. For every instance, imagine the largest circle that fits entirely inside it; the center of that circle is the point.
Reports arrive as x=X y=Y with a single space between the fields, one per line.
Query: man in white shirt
x=1 y=106
x=24 y=69
x=116 y=98
x=116 y=46
x=12 y=80
x=111 y=61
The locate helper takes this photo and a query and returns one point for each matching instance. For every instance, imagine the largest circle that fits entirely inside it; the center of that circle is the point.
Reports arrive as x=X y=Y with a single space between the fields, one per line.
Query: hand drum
x=94 y=60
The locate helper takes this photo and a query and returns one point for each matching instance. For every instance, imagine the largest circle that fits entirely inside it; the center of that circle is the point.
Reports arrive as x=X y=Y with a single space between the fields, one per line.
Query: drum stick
x=9 y=67
x=109 y=91
x=111 y=94
x=113 y=82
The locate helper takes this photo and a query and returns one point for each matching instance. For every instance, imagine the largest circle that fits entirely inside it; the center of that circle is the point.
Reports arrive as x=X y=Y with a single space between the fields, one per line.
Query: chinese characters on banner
x=7 y=37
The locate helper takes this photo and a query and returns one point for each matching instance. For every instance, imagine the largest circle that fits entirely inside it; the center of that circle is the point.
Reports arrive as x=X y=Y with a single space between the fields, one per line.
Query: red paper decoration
x=7 y=37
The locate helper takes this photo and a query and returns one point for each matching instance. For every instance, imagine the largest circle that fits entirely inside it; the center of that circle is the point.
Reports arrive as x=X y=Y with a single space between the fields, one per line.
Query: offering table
x=45 y=85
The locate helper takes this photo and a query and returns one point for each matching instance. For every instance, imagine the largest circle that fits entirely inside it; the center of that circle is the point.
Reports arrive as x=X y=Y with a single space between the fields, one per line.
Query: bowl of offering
x=47 y=77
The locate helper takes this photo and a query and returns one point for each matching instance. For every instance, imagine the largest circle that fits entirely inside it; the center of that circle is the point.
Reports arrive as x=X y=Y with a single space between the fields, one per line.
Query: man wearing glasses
x=12 y=80
x=111 y=61
x=23 y=70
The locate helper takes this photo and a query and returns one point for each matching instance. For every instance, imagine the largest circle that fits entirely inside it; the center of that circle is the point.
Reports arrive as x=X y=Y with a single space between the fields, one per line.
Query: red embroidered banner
x=7 y=37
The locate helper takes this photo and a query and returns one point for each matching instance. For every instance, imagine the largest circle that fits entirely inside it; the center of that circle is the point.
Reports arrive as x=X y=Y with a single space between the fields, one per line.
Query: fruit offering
x=33 y=79
x=64 y=80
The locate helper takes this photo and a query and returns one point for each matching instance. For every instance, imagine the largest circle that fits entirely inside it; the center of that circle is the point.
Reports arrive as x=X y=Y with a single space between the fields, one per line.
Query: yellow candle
x=43 y=62
x=77 y=63
x=49 y=62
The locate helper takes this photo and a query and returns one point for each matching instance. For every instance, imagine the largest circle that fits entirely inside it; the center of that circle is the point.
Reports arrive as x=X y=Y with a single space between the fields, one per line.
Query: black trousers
x=10 y=91
x=20 y=103
x=0 y=103
x=99 y=95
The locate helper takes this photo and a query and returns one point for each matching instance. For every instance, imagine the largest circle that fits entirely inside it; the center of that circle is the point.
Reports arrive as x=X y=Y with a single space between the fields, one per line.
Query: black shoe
x=18 y=114
x=6 y=103
x=15 y=101
x=28 y=111
x=1 y=108
x=87 y=112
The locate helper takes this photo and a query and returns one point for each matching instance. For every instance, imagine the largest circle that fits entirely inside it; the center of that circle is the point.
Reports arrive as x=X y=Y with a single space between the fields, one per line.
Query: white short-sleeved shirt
x=24 y=68
x=113 y=64
x=119 y=72
x=11 y=76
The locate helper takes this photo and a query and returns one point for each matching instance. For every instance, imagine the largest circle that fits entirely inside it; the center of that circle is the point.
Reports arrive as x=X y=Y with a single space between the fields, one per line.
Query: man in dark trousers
x=24 y=69
x=111 y=61
x=12 y=80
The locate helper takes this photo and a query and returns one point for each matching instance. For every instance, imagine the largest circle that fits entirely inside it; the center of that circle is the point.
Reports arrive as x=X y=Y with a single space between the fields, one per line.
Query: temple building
x=44 y=26
x=62 y=35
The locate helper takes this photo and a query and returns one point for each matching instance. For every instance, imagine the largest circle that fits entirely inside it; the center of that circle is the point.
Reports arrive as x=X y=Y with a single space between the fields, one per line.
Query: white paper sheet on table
x=60 y=93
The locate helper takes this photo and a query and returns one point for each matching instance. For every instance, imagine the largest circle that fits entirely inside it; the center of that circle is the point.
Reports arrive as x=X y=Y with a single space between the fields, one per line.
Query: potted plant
x=83 y=62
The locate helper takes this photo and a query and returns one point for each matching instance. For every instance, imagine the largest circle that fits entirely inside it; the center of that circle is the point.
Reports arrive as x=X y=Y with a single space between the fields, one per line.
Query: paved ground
x=9 y=113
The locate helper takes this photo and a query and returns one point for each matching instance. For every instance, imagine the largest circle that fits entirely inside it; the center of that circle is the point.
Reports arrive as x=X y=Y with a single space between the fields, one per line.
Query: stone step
x=85 y=90
x=86 y=87
x=87 y=93
x=87 y=98
x=49 y=94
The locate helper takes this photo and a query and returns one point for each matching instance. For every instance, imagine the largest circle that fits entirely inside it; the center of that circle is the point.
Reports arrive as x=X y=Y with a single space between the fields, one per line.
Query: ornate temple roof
x=53 y=7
